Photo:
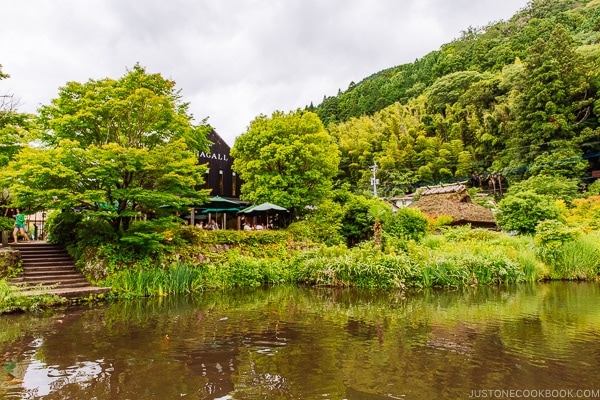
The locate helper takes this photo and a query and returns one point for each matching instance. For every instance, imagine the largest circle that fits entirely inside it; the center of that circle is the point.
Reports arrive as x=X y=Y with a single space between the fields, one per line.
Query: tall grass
x=577 y=259
x=459 y=257
x=179 y=279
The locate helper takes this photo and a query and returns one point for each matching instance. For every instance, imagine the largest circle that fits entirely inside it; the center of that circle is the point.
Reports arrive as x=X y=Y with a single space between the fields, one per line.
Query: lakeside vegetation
x=430 y=254
x=512 y=108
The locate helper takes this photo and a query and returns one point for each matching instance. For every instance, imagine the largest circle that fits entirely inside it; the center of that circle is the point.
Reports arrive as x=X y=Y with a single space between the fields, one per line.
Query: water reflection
x=288 y=342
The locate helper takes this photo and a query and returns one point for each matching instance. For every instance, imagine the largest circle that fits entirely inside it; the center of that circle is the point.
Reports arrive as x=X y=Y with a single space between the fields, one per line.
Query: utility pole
x=374 y=180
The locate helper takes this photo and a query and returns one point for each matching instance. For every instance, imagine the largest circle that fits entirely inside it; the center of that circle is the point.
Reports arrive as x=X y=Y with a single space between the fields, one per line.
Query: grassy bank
x=455 y=258
x=204 y=260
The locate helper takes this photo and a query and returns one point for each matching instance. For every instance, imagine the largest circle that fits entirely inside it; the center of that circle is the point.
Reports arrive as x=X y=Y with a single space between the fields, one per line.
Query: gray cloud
x=233 y=59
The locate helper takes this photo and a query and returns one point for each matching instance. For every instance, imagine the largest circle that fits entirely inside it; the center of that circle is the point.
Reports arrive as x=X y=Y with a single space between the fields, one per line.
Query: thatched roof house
x=454 y=200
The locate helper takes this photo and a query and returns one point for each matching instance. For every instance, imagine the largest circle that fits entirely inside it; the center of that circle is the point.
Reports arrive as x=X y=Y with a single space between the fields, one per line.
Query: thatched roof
x=454 y=201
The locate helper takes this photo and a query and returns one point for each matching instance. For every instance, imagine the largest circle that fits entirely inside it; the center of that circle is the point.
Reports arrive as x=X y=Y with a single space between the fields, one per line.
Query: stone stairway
x=49 y=269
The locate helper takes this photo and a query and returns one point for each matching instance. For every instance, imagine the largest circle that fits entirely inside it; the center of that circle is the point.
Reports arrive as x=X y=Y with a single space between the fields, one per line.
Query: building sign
x=214 y=156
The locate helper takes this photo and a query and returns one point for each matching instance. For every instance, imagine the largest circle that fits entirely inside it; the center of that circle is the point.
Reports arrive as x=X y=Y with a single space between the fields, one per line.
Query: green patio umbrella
x=219 y=205
x=263 y=209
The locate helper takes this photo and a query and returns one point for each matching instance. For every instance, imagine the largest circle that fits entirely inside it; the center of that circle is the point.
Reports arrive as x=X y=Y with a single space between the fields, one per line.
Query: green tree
x=358 y=220
x=523 y=211
x=115 y=149
x=554 y=100
x=406 y=223
x=288 y=159
x=556 y=187
x=139 y=110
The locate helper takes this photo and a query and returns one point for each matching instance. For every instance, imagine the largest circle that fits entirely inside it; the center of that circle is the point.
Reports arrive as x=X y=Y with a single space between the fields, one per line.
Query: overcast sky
x=232 y=59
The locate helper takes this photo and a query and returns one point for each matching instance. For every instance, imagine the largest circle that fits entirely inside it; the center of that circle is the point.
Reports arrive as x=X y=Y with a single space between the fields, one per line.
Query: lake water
x=534 y=341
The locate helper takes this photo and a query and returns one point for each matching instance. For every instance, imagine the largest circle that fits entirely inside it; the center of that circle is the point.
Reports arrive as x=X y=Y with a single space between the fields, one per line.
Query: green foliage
x=288 y=159
x=584 y=214
x=252 y=272
x=407 y=223
x=323 y=224
x=14 y=132
x=362 y=266
x=464 y=269
x=150 y=237
x=179 y=279
x=114 y=149
x=6 y=224
x=11 y=300
x=555 y=187
x=577 y=259
x=357 y=222
x=62 y=227
x=553 y=97
x=449 y=88
x=202 y=238
x=516 y=97
x=522 y=211
x=593 y=188
x=563 y=164
x=462 y=256
x=551 y=235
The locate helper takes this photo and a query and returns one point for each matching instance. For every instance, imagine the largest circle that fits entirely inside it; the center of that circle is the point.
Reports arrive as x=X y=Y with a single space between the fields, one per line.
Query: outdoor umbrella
x=262 y=209
x=218 y=204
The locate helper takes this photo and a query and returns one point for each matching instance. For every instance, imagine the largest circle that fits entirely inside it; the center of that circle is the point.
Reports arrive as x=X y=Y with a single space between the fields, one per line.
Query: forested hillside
x=514 y=99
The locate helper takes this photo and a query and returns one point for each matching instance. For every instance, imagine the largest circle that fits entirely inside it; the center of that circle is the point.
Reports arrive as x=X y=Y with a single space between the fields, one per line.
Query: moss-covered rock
x=10 y=262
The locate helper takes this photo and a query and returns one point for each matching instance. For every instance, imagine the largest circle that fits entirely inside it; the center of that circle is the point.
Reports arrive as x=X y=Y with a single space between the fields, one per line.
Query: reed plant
x=178 y=279
x=577 y=259
x=362 y=266
x=462 y=256
x=252 y=272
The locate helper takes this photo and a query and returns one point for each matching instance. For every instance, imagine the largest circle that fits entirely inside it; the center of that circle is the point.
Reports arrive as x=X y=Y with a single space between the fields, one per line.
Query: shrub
x=556 y=187
x=362 y=266
x=407 y=223
x=438 y=222
x=522 y=212
x=62 y=227
x=551 y=235
x=594 y=188
x=585 y=213
x=358 y=220
x=6 y=224
x=324 y=223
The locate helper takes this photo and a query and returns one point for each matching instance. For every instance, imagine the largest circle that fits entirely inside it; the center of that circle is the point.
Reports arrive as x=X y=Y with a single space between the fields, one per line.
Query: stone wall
x=10 y=262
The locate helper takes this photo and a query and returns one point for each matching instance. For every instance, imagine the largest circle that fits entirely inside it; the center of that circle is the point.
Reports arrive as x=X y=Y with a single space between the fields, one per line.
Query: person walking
x=19 y=227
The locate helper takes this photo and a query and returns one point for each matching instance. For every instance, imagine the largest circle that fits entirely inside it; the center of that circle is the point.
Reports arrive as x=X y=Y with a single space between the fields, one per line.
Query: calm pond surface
x=538 y=341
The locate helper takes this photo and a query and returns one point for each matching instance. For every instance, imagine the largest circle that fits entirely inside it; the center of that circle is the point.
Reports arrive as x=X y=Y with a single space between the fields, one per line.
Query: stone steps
x=49 y=269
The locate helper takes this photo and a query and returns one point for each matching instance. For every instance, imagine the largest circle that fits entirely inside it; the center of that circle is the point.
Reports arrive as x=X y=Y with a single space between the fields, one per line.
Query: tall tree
x=114 y=148
x=288 y=159
x=554 y=101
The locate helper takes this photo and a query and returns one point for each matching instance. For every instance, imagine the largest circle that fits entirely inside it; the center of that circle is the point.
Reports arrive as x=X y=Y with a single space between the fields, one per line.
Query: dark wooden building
x=220 y=179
